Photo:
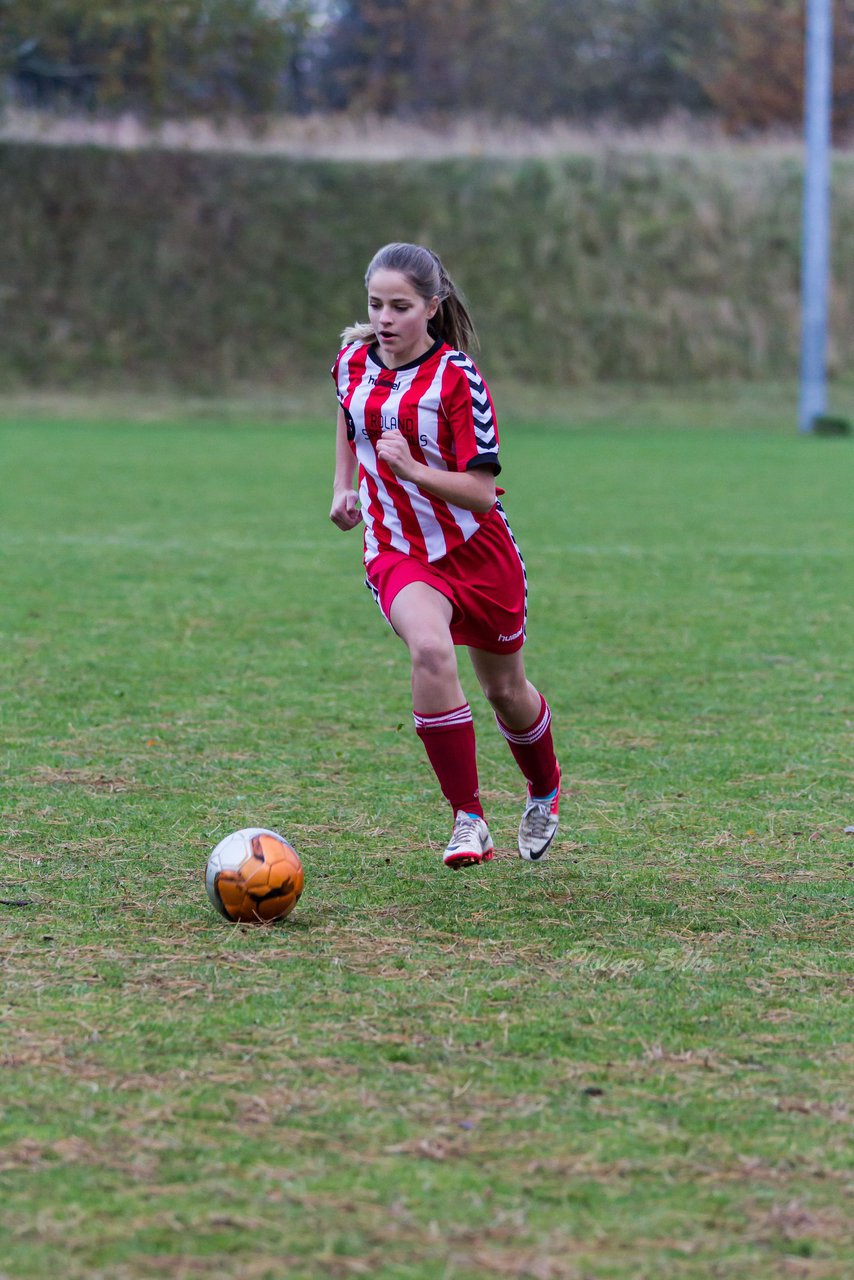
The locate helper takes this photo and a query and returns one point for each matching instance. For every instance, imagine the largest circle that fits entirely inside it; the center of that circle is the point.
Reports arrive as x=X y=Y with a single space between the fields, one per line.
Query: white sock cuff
x=443 y=719
x=532 y=735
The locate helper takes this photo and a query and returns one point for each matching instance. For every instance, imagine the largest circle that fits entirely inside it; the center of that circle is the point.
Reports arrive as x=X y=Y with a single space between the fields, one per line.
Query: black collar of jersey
x=374 y=354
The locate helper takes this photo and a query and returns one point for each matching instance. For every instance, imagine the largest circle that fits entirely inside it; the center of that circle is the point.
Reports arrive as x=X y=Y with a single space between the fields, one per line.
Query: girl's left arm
x=472 y=490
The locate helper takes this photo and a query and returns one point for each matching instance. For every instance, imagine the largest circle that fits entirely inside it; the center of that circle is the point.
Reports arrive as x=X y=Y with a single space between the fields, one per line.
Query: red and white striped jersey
x=443 y=407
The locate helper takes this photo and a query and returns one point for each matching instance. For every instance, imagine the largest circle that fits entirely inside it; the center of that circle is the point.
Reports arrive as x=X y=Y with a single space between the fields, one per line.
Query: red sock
x=533 y=751
x=449 y=742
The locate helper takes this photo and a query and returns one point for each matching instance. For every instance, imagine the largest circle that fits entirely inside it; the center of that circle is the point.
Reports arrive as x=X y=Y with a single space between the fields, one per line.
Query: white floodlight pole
x=815 y=254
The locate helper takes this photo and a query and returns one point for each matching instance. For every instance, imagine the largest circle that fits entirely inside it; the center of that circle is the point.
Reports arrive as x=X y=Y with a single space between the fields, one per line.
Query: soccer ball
x=254 y=875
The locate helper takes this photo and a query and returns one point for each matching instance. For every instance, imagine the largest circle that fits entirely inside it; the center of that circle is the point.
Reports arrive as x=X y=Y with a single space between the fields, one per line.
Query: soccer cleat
x=538 y=826
x=470 y=843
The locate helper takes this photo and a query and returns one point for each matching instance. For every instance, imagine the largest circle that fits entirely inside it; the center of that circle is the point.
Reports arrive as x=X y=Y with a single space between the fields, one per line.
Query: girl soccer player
x=418 y=420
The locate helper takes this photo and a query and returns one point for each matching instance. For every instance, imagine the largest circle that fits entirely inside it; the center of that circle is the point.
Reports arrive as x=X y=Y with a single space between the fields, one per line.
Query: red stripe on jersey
x=441 y=405
x=356 y=366
x=417 y=502
x=349 y=379
x=403 y=415
x=386 y=508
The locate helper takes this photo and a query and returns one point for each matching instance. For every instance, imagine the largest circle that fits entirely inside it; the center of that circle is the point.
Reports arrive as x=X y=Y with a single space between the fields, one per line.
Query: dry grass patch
x=136 y=1155
x=348 y=137
x=793 y=1220
x=86 y=778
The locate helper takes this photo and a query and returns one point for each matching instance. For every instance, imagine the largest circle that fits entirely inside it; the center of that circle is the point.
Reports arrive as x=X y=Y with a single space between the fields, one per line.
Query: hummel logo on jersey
x=381 y=380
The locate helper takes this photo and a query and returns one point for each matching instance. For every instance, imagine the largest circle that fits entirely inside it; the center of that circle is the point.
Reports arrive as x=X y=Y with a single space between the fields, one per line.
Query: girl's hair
x=424 y=270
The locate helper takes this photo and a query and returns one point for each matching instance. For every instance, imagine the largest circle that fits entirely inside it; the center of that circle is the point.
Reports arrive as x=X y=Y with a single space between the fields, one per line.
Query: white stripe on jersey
x=372 y=547
x=394 y=519
x=434 y=539
x=366 y=453
x=390 y=518
x=422 y=508
x=344 y=369
x=428 y=437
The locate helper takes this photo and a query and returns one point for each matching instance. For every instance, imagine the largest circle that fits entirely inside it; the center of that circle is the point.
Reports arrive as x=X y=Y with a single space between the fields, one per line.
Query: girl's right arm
x=345 y=514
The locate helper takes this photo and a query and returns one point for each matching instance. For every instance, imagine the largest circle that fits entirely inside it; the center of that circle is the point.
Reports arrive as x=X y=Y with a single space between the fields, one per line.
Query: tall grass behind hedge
x=205 y=271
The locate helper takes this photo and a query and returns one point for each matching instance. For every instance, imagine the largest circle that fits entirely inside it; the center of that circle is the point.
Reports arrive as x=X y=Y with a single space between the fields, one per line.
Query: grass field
x=632 y=1063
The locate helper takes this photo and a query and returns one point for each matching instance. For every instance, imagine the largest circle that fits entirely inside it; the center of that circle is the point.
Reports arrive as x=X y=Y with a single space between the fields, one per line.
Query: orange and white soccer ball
x=254 y=875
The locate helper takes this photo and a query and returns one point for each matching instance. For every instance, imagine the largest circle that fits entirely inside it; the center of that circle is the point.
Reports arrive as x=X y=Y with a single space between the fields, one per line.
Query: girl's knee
x=433 y=654
x=505 y=695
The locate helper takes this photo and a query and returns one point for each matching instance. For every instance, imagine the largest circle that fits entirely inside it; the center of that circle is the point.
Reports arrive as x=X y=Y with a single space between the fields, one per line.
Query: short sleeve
x=471 y=415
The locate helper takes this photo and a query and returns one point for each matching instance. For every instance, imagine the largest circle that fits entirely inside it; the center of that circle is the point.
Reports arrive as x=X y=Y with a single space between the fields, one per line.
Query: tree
x=754 y=74
x=531 y=59
x=195 y=56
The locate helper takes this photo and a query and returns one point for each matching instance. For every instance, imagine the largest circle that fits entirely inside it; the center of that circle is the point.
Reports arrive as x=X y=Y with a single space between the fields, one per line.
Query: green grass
x=632 y=1062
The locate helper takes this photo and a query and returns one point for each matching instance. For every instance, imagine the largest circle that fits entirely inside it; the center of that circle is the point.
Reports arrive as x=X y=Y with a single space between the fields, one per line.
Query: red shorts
x=484 y=580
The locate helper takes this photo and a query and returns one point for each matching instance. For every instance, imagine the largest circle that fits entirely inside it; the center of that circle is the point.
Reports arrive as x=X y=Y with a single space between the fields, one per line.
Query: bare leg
x=421 y=616
x=508 y=690
x=443 y=721
x=524 y=718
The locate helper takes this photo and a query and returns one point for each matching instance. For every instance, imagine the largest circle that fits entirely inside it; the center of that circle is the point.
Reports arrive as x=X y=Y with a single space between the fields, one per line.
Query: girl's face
x=399 y=316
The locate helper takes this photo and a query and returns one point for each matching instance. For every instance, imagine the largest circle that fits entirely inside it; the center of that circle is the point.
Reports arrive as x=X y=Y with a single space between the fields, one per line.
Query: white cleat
x=470 y=843
x=538 y=826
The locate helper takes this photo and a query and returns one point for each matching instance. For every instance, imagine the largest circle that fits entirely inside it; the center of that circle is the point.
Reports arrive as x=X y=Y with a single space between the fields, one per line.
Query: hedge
x=175 y=269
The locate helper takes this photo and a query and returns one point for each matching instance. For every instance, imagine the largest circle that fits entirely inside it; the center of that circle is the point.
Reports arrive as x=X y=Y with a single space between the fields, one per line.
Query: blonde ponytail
x=358 y=332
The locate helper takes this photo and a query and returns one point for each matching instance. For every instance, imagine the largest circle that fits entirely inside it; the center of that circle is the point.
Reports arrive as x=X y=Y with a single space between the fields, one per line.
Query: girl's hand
x=345 y=514
x=393 y=450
